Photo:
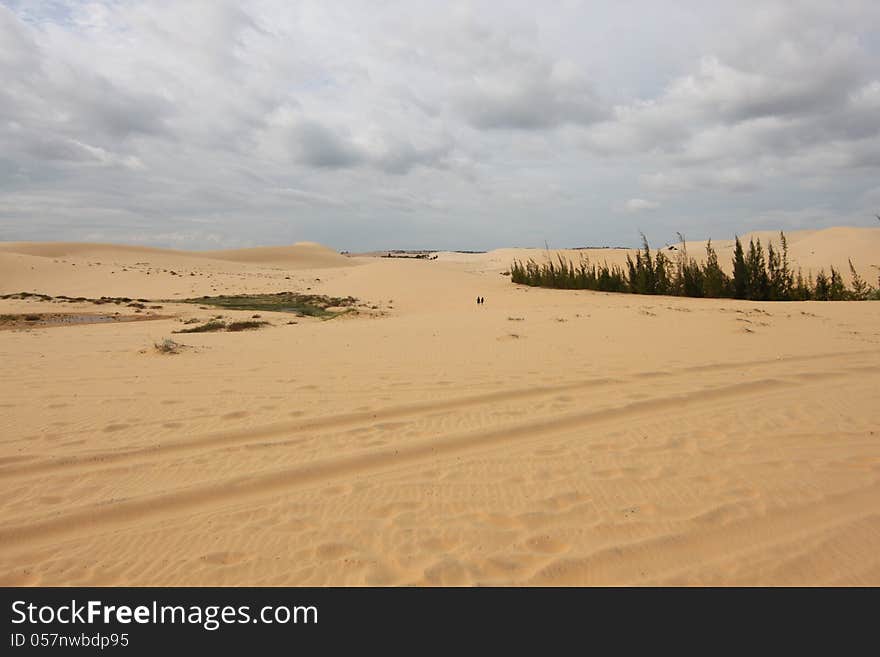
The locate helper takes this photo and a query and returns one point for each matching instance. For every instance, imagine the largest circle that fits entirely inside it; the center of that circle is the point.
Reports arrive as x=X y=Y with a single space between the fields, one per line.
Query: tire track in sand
x=119 y=513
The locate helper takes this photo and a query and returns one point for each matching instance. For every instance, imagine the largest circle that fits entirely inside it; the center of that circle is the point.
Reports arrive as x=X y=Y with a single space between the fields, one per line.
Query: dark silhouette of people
x=480 y=300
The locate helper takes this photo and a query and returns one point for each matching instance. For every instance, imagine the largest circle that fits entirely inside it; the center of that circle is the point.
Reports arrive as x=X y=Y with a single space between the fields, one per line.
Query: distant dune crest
x=809 y=249
x=301 y=255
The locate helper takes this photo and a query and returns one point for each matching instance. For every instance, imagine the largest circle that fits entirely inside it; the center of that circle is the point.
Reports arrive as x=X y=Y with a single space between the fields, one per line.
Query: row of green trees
x=758 y=275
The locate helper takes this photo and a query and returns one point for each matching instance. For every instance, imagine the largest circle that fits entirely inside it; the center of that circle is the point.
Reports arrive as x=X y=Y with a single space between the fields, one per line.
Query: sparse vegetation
x=313 y=305
x=246 y=325
x=168 y=346
x=63 y=298
x=756 y=276
x=207 y=327
x=214 y=325
x=28 y=295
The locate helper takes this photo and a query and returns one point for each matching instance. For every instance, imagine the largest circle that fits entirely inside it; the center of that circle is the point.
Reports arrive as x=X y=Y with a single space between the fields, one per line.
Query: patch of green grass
x=312 y=305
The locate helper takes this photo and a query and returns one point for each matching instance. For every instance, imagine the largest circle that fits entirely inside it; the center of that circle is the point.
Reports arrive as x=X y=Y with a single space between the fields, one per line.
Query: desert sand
x=547 y=437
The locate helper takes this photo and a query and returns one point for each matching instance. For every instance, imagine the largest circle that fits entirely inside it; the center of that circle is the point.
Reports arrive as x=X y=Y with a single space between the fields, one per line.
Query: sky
x=203 y=124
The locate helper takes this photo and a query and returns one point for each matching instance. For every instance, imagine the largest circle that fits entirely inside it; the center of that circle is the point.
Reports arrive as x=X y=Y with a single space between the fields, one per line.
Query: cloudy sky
x=381 y=124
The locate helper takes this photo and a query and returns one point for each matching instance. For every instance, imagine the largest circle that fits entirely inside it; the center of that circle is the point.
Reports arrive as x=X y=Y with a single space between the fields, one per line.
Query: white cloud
x=640 y=204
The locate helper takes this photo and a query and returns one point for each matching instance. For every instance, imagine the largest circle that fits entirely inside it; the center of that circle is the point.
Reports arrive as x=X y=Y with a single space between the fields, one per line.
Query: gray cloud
x=505 y=82
x=421 y=124
x=318 y=146
x=788 y=103
x=106 y=108
x=401 y=157
x=533 y=98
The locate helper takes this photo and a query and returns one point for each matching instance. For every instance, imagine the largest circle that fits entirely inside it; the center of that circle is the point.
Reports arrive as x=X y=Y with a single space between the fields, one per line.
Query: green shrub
x=757 y=275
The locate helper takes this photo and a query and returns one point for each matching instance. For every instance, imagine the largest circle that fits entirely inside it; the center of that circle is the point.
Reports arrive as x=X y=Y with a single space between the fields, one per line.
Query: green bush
x=757 y=275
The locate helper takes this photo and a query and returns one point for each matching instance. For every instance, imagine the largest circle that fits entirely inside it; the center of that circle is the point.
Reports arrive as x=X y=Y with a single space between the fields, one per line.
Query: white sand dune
x=302 y=255
x=107 y=270
x=548 y=437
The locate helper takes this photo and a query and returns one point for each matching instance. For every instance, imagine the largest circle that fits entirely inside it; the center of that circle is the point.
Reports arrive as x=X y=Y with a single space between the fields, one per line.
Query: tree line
x=758 y=275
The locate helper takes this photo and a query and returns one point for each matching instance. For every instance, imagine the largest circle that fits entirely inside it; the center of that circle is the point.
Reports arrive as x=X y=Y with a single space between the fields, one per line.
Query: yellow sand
x=548 y=437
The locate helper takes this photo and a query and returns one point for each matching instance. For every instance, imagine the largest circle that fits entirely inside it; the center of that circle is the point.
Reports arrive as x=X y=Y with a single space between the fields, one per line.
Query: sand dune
x=302 y=255
x=546 y=438
x=107 y=270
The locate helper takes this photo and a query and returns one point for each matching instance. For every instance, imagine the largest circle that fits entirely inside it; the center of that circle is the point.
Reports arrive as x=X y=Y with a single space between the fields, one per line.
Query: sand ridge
x=547 y=437
x=302 y=255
